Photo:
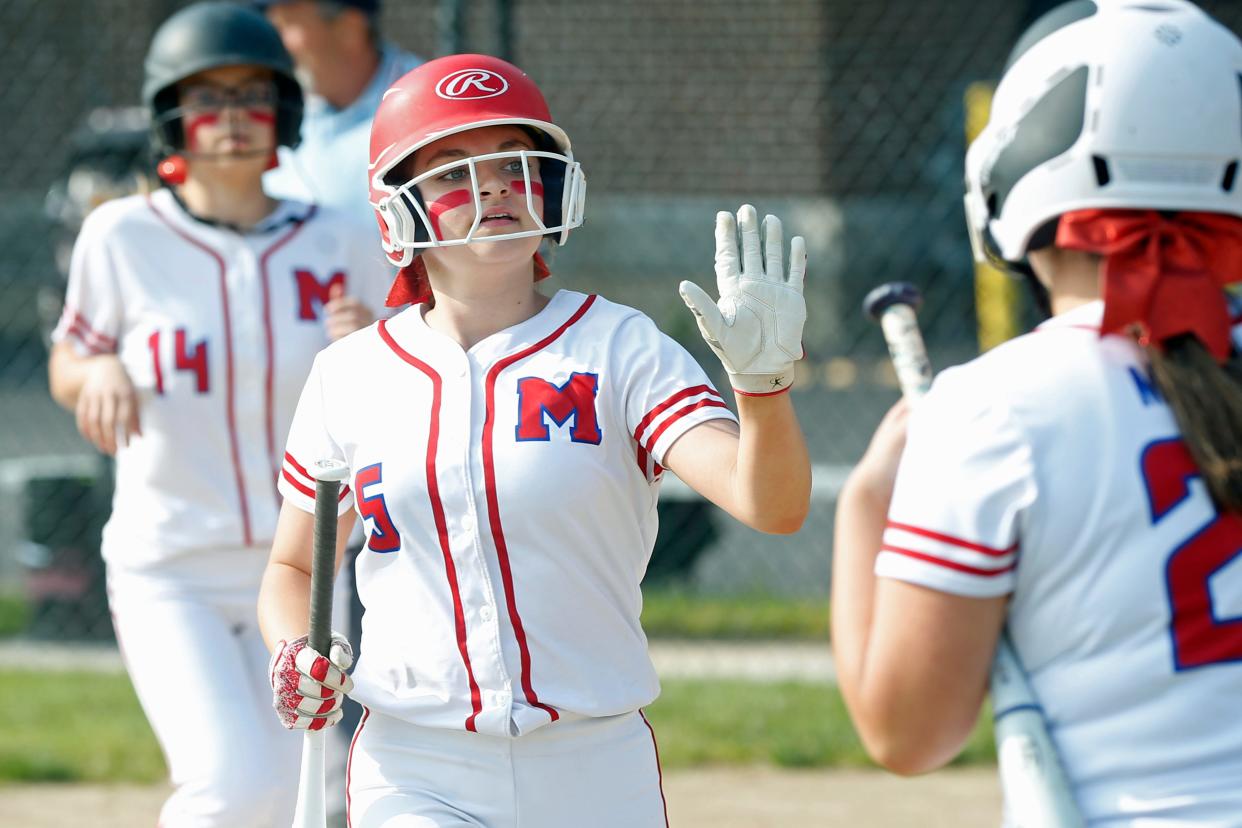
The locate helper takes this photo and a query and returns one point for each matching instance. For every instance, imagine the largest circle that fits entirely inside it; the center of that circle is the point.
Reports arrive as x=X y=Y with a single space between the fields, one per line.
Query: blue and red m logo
x=575 y=398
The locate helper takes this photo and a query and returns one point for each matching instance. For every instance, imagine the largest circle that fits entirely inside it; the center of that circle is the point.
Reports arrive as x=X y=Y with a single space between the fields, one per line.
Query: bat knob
x=329 y=471
x=886 y=295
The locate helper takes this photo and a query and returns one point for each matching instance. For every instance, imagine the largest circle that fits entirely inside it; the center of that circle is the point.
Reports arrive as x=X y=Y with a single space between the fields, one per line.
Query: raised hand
x=755 y=327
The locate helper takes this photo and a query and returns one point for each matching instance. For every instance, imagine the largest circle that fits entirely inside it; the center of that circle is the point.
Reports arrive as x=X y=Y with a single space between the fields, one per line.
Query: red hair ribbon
x=1166 y=275
x=411 y=285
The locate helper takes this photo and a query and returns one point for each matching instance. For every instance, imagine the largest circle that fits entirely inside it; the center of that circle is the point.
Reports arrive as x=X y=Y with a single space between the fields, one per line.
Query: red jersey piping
x=437 y=511
x=493 y=502
x=230 y=417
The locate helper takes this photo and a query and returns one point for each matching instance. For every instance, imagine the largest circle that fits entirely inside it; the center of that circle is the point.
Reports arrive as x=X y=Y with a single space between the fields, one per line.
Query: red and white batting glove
x=756 y=326
x=307 y=688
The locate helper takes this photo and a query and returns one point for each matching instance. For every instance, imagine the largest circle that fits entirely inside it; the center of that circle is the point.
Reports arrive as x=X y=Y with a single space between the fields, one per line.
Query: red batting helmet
x=453 y=94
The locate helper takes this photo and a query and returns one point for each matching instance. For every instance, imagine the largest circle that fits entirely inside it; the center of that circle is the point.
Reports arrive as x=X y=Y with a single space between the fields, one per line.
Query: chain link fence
x=846 y=119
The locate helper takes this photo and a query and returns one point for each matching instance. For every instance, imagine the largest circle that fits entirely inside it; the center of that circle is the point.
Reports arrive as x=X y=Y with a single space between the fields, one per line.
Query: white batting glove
x=308 y=689
x=756 y=327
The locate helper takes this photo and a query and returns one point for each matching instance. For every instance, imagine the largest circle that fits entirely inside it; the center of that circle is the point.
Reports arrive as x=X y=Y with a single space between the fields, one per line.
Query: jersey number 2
x=1199 y=637
x=183 y=360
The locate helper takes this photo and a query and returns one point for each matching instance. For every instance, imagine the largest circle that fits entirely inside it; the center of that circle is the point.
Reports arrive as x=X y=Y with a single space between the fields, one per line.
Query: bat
x=1037 y=791
x=311 y=809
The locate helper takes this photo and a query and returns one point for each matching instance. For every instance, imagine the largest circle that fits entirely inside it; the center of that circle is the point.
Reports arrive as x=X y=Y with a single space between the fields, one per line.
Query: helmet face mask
x=454 y=95
x=1119 y=106
x=412 y=225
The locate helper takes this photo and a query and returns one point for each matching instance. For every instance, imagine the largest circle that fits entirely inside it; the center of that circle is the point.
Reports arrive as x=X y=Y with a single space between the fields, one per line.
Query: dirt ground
x=718 y=798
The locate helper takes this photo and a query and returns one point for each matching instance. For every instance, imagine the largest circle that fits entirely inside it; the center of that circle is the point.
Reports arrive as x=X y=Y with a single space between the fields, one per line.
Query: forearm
x=859 y=527
x=911 y=662
x=771 y=478
x=284 y=595
x=284 y=603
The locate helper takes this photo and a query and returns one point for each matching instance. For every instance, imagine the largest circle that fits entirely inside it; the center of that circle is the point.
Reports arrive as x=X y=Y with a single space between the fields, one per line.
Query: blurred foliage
x=14 y=614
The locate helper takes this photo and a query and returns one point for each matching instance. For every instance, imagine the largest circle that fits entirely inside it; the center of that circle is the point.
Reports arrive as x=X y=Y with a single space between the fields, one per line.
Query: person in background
x=191 y=318
x=344 y=67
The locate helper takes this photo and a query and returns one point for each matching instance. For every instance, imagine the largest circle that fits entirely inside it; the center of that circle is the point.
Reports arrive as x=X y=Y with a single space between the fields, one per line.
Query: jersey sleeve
x=92 y=314
x=966 y=477
x=310 y=441
x=667 y=393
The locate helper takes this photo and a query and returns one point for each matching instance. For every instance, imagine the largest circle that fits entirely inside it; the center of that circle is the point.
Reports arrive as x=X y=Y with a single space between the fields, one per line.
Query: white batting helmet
x=1108 y=104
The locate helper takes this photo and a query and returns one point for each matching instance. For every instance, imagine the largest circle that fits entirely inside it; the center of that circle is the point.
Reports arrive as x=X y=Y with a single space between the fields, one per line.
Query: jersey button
x=467 y=523
x=485 y=613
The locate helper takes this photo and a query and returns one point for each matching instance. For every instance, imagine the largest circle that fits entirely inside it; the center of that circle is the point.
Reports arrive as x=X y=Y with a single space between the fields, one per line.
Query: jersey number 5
x=383 y=536
x=183 y=360
x=1199 y=637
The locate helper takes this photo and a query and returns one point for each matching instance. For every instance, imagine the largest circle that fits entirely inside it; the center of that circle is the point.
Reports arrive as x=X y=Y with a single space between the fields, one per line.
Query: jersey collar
x=285 y=214
x=410 y=330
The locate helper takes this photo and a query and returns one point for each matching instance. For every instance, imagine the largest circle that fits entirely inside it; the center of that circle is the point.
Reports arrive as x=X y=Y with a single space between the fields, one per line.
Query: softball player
x=1083 y=483
x=190 y=323
x=506 y=451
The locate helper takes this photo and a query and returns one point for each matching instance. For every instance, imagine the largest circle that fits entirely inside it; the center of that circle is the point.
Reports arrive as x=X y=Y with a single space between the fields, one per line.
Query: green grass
x=791 y=724
x=88 y=727
x=75 y=727
x=674 y=614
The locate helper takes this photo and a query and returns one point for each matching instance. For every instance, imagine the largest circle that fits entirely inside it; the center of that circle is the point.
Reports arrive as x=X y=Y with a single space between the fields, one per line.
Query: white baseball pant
x=601 y=772
x=190 y=641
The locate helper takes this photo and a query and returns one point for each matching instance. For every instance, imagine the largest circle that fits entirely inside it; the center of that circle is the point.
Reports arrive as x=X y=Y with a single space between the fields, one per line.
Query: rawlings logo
x=471 y=85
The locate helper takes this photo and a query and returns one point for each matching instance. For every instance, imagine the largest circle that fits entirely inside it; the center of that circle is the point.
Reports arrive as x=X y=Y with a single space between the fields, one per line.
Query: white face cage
x=404 y=212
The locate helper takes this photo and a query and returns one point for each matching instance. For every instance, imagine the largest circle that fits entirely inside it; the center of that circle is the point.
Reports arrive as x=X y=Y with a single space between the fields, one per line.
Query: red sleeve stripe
x=95 y=343
x=298 y=467
x=669 y=403
x=88 y=333
x=91 y=346
x=677 y=415
x=952 y=541
x=960 y=567
x=297 y=484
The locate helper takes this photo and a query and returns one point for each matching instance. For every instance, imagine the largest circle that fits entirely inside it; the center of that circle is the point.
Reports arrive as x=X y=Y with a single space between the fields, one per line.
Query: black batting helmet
x=206 y=36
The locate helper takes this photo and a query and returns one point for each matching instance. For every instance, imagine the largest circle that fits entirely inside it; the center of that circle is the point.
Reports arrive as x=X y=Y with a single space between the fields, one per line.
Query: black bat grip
x=323 y=564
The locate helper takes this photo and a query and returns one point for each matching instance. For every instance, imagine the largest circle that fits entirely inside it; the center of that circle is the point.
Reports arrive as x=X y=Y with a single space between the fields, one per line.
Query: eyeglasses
x=253 y=95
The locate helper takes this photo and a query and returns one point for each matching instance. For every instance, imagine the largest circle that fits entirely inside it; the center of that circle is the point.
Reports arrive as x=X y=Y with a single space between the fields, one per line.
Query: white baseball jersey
x=1050 y=469
x=509 y=495
x=217 y=331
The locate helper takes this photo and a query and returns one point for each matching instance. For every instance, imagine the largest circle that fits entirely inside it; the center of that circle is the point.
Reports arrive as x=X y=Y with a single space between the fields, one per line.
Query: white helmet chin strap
x=411 y=226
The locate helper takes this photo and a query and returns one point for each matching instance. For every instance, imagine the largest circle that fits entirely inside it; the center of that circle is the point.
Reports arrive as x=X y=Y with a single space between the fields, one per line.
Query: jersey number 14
x=184 y=359
x=1200 y=638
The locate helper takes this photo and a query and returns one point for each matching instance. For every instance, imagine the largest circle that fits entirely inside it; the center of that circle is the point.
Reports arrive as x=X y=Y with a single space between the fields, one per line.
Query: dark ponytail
x=1206 y=398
